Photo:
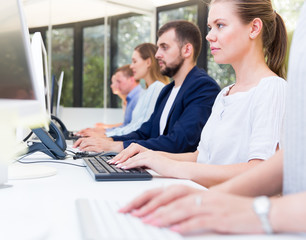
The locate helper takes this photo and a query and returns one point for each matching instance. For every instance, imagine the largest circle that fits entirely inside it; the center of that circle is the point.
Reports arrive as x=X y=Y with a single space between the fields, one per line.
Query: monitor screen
x=18 y=85
x=19 y=91
x=40 y=61
x=59 y=93
x=16 y=72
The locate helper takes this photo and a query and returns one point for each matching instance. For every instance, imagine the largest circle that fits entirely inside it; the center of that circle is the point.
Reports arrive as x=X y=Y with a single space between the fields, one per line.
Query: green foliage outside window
x=62 y=60
x=131 y=32
x=93 y=66
x=189 y=13
x=93 y=84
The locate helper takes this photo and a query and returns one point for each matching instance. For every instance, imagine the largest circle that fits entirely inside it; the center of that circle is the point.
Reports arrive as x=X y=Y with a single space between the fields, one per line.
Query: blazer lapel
x=178 y=98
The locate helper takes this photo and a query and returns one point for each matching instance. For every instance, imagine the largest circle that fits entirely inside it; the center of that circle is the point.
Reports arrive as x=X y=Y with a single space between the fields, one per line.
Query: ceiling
x=44 y=12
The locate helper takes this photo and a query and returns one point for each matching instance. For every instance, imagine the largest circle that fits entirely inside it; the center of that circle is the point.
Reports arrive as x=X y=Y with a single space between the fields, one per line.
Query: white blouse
x=142 y=111
x=245 y=125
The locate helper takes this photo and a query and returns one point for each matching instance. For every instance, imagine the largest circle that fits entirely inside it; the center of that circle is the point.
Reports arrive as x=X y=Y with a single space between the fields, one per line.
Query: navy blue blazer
x=187 y=117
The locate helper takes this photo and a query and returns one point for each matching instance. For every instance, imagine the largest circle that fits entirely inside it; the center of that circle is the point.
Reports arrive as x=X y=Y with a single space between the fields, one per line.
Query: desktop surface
x=44 y=208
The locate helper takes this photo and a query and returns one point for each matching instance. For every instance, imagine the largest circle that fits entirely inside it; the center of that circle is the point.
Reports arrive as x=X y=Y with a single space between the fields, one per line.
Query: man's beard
x=172 y=70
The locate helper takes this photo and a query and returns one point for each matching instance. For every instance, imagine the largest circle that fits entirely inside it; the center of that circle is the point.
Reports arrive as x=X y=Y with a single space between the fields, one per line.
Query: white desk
x=47 y=205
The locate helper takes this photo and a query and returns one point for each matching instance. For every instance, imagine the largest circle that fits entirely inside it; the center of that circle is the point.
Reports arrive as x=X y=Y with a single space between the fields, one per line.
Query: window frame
x=113 y=21
x=201 y=21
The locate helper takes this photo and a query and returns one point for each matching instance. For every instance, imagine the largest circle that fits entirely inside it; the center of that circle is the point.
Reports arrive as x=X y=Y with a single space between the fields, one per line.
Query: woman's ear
x=255 y=28
x=148 y=62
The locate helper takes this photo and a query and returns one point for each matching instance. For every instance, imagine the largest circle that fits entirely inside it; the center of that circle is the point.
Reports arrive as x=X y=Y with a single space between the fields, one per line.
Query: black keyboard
x=102 y=171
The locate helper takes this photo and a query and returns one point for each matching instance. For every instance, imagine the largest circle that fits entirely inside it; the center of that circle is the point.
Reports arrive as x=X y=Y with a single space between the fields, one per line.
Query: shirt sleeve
x=267 y=119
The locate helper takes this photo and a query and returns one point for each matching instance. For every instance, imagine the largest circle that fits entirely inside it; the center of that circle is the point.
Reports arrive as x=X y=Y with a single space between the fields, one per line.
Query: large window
x=189 y=13
x=78 y=48
x=132 y=31
x=128 y=31
x=93 y=66
x=62 y=60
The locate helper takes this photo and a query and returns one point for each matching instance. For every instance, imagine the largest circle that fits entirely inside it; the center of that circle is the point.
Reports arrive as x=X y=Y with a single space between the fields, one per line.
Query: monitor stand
x=18 y=171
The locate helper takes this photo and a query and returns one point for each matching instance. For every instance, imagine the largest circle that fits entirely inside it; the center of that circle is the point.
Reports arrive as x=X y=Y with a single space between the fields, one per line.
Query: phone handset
x=53 y=146
x=67 y=134
x=61 y=124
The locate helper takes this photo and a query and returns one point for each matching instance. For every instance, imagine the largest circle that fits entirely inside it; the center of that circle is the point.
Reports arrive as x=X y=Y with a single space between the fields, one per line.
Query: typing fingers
x=176 y=211
x=165 y=197
x=77 y=143
x=150 y=159
x=140 y=201
x=134 y=162
x=88 y=144
x=83 y=132
x=124 y=155
x=120 y=157
x=153 y=199
x=83 y=143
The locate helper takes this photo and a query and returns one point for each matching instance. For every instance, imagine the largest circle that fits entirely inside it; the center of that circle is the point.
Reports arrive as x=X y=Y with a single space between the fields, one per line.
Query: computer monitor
x=52 y=93
x=18 y=86
x=56 y=93
x=59 y=93
x=40 y=61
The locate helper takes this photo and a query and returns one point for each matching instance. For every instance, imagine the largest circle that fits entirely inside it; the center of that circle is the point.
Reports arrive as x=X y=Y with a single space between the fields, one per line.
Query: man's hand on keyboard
x=96 y=144
x=92 y=132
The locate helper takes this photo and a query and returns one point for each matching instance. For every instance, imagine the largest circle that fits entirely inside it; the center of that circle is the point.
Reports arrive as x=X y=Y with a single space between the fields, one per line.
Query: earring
x=252 y=36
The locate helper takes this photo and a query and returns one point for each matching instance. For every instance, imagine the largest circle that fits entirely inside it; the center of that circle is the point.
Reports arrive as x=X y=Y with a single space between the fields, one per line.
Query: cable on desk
x=27 y=137
x=74 y=155
x=49 y=161
x=68 y=150
x=23 y=156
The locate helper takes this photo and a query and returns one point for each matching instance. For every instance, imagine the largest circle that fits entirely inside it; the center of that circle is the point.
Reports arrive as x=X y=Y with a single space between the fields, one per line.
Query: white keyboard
x=101 y=220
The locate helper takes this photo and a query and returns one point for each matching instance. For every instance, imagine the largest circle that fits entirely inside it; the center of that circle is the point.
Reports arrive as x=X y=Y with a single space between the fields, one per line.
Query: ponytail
x=275 y=51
